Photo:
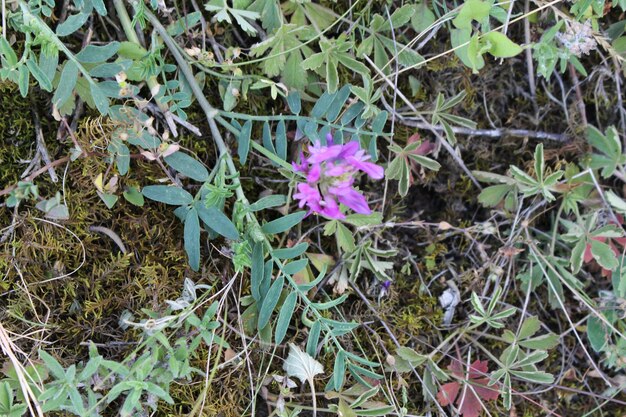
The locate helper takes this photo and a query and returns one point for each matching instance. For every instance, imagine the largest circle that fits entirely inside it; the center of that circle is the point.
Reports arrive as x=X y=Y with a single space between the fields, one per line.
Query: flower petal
x=355 y=200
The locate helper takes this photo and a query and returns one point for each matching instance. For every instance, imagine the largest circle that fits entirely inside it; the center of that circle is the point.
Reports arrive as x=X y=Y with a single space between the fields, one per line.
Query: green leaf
x=284 y=223
x=52 y=364
x=217 y=221
x=411 y=356
x=167 y=194
x=224 y=12
x=284 y=317
x=69 y=76
x=543 y=342
x=359 y=220
x=281 y=140
x=313 y=339
x=345 y=238
x=339 y=370
x=337 y=104
x=423 y=17
x=604 y=255
x=134 y=196
x=270 y=301
x=192 y=238
x=426 y=162
x=96 y=54
x=270 y=201
x=73 y=23
x=39 y=75
x=99 y=98
x=294 y=102
x=537 y=377
x=493 y=195
x=131 y=50
x=530 y=326
x=244 y=142
x=257 y=271
x=8 y=52
x=185 y=23
x=597 y=333
x=471 y=10
x=290 y=253
x=187 y=165
x=501 y=46
x=108 y=199
x=295 y=266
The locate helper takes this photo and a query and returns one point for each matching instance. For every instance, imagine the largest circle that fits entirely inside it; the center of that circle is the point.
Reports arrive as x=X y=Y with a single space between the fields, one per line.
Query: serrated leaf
x=604 y=255
x=345 y=238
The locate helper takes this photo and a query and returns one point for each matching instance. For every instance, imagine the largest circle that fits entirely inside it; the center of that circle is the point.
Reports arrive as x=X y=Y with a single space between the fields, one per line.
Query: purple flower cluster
x=330 y=173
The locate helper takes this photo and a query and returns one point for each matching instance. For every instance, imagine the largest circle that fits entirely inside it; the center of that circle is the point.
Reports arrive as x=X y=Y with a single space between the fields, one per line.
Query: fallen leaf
x=469 y=391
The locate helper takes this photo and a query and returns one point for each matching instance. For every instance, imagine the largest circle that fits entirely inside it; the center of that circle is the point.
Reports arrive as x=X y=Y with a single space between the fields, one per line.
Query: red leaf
x=588 y=256
x=475 y=389
x=448 y=393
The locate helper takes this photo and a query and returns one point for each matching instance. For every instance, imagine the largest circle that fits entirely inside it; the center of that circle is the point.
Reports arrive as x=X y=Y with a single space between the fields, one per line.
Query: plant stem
x=153 y=83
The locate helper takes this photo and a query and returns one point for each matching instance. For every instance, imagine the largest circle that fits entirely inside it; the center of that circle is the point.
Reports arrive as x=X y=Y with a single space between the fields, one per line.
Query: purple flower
x=330 y=172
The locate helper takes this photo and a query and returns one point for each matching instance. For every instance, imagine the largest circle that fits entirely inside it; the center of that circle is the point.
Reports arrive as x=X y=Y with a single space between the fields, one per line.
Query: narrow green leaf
x=73 y=23
x=335 y=107
x=8 y=52
x=281 y=140
x=256 y=270
x=270 y=301
x=192 y=238
x=187 y=165
x=537 y=377
x=270 y=201
x=95 y=54
x=313 y=339
x=295 y=266
x=52 y=364
x=294 y=102
x=244 y=142
x=39 y=75
x=100 y=99
x=267 y=138
x=218 y=221
x=23 y=80
x=284 y=223
x=290 y=253
x=167 y=194
x=284 y=317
